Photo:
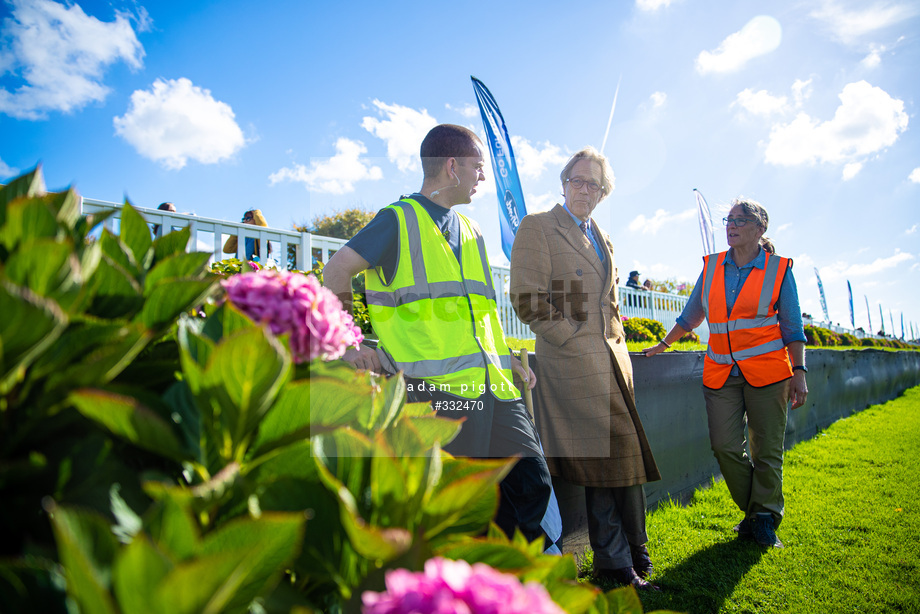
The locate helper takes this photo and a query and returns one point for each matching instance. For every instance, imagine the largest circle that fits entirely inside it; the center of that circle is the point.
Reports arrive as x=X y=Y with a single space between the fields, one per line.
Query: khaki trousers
x=755 y=482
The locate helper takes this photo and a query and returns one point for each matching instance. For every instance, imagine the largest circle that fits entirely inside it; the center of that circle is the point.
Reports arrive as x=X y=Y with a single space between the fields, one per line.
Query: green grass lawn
x=851 y=530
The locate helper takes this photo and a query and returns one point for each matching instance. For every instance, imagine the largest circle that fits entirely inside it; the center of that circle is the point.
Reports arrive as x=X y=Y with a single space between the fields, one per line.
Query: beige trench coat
x=584 y=401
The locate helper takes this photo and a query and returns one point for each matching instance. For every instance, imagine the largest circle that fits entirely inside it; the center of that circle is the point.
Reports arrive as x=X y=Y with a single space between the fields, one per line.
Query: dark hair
x=447 y=141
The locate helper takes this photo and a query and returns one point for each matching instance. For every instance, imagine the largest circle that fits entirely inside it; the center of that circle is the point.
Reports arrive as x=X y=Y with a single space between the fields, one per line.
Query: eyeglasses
x=739 y=222
x=578 y=184
x=247 y=218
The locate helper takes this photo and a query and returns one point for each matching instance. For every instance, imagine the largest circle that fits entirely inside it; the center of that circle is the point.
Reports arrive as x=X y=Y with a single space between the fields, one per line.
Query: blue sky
x=303 y=108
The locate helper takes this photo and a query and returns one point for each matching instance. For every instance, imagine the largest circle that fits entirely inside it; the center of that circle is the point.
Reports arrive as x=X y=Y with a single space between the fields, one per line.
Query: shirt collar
x=759 y=261
x=577 y=221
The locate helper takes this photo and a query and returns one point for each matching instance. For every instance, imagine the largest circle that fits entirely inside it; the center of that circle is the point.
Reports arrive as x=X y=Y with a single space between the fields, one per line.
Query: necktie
x=584 y=229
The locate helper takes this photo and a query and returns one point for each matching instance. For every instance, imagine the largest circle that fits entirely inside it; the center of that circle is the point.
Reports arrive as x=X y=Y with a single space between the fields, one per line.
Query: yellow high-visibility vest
x=437 y=319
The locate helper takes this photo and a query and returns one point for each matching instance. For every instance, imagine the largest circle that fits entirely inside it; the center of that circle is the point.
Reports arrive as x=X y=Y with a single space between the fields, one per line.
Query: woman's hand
x=655 y=349
x=799 y=389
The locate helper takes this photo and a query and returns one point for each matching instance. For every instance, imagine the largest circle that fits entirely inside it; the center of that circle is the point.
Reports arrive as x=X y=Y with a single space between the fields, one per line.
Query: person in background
x=163 y=207
x=633 y=281
x=431 y=302
x=754 y=366
x=564 y=286
x=647 y=284
x=253 y=247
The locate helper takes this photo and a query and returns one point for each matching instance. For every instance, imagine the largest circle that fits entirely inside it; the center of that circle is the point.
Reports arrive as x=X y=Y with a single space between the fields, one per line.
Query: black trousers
x=499 y=429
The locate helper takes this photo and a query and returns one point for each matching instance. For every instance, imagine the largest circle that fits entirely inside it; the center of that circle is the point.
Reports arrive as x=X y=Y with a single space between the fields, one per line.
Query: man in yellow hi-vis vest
x=432 y=304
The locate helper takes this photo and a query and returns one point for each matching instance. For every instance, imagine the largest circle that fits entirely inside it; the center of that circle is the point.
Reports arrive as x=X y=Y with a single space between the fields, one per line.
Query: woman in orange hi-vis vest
x=754 y=366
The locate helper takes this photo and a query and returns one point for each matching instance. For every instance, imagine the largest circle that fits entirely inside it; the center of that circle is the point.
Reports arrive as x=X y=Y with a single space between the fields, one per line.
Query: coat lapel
x=573 y=234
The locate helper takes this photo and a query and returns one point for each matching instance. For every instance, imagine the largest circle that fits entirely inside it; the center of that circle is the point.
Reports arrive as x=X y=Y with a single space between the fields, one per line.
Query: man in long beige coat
x=563 y=284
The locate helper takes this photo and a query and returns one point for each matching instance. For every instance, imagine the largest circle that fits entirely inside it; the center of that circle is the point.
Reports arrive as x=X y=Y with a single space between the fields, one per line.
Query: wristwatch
x=799 y=368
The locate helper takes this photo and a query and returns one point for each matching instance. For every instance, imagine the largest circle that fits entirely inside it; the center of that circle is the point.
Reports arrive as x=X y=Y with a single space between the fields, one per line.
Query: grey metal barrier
x=669 y=397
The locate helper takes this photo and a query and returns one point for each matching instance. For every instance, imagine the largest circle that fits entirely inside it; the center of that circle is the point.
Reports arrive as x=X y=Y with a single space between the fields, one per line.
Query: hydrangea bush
x=297 y=305
x=446 y=587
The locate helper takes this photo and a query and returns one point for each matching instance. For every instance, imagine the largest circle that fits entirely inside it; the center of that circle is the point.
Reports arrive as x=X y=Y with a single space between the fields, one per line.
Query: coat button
x=578 y=272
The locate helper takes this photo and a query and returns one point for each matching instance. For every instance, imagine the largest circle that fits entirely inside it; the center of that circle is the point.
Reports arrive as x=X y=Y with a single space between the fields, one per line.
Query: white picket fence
x=209 y=234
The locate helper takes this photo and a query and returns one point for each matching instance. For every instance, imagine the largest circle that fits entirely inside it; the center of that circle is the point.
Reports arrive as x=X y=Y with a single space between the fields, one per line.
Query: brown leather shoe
x=624 y=576
x=642 y=562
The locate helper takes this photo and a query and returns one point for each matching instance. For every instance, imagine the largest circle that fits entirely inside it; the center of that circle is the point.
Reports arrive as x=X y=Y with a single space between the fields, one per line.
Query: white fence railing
x=210 y=234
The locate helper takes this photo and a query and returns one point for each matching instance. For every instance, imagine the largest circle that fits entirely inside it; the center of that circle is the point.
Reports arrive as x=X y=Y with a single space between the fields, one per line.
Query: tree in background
x=340 y=225
x=672 y=286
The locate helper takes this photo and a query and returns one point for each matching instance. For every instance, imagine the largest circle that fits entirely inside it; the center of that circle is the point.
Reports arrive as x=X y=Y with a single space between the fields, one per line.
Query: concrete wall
x=670 y=400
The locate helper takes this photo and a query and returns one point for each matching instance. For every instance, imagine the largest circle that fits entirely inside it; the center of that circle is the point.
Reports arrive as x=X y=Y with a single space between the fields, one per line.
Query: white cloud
x=651 y=5
x=873 y=269
x=801 y=91
x=653 y=224
x=61 y=53
x=849 y=25
x=532 y=160
x=176 y=121
x=867 y=121
x=762 y=102
x=759 y=36
x=912 y=229
x=403 y=129
x=468 y=110
x=874 y=58
x=658 y=99
x=914 y=175
x=542 y=202
x=335 y=175
x=785 y=226
x=851 y=170
x=7 y=171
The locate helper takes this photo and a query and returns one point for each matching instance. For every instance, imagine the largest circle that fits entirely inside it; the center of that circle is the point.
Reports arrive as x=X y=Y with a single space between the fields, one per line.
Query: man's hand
x=799 y=389
x=529 y=378
x=363 y=358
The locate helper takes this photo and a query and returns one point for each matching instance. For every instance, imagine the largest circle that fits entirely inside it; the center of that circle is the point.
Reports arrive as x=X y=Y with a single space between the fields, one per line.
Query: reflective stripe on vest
x=751 y=336
x=437 y=318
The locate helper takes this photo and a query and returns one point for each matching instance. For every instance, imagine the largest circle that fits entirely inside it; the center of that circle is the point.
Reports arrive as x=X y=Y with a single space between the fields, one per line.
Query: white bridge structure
x=209 y=235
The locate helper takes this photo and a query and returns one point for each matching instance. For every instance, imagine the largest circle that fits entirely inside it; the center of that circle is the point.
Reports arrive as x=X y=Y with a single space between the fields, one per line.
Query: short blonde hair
x=589 y=153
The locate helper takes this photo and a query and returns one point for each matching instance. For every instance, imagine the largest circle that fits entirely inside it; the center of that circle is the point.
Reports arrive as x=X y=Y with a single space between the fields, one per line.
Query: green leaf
x=237 y=563
x=387 y=404
x=433 y=429
x=42 y=265
x=169 y=522
x=118 y=253
x=28 y=219
x=177 y=266
x=171 y=243
x=29 y=325
x=244 y=375
x=170 y=299
x=87 y=550
x=117 y=293
x=464 y=485
x=27 y=185
x=102 y=363
x=225 y=321
x=126 y=417
x=135 y=234
x=138 y=571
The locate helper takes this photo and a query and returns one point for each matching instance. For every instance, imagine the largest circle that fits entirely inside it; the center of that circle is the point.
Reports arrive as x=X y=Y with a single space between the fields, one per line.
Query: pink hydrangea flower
x=456 y=587
x=295 y=304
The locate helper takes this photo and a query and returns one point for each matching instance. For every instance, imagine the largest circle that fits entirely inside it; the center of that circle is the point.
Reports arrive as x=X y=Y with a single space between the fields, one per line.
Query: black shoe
x=764 y=531
x=743 y=529
x=642 y=563
x=625 y=576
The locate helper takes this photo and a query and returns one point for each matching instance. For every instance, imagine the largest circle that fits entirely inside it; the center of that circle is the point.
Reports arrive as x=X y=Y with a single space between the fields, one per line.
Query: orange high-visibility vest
x=750 y=337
